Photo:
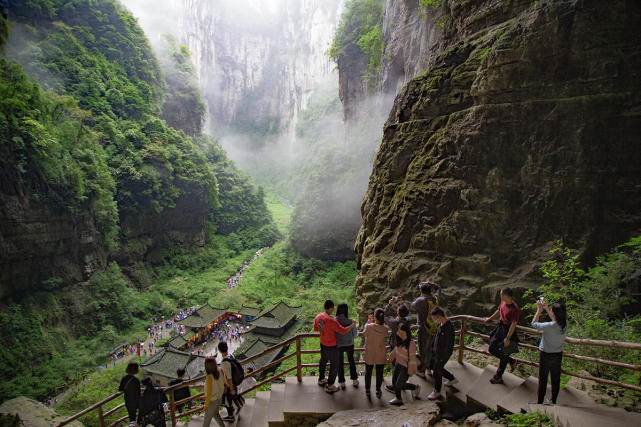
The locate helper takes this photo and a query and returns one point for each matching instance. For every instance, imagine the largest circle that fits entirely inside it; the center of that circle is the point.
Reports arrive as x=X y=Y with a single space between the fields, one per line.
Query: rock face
x=523 y=130
x=33 y=233
x=416 y=414
x=30 y=413
x=258 y=60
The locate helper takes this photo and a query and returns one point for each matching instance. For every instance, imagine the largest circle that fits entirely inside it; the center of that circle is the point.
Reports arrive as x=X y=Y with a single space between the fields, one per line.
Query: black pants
x=227 y=400
x=368 y=376
x=399 y=379
x=349 y=351
x=328 y=354
x=440 y=372
x=504 y=359
x=549 y=363
x=132 y=412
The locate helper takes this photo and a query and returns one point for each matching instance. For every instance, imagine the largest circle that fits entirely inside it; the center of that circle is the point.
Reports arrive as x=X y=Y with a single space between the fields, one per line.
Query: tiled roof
x=203 y=316
x=166 y=362
x=276 y=316
x=177 y=341
x=249 y=311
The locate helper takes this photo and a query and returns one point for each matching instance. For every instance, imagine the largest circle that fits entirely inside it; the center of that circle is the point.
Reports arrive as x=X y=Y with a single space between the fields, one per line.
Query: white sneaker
x=435 y=395
x=548 y=402
x=416 y=393
x=355 y=383
x=396 y=401
x=342 y=386
x=450 y=382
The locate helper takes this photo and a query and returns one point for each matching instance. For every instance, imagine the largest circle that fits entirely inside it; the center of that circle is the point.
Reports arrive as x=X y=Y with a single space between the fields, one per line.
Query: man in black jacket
x=182 y=392
x=443 y=347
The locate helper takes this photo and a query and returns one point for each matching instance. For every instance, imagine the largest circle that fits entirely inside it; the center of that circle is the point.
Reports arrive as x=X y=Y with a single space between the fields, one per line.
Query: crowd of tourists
x=392 y=325
x=223 y=384
x=234 y=280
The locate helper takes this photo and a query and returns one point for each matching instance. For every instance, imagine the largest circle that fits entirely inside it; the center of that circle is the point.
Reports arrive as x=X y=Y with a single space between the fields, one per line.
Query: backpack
x=237 y=371
x=430 y=324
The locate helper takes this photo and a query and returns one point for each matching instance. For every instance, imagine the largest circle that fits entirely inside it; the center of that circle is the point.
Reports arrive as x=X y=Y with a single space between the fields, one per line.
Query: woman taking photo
x=551 y=348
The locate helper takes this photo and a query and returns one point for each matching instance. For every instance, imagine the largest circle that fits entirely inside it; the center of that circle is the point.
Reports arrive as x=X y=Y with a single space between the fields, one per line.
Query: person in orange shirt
x=328 y=327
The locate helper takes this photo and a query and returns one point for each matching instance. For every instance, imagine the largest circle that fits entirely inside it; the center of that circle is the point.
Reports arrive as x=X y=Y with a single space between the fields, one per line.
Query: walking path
x=287 y=403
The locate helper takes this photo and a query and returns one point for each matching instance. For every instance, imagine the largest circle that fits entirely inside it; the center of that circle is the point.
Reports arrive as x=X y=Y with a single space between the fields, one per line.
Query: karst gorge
x=151 y=148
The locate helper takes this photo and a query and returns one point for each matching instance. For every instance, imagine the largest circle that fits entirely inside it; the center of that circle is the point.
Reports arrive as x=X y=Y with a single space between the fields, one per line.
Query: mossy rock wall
x=518 y=134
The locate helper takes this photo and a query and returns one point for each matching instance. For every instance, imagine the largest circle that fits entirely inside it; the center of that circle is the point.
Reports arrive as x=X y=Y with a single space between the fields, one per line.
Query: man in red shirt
x=500 y=339
x=328 y=327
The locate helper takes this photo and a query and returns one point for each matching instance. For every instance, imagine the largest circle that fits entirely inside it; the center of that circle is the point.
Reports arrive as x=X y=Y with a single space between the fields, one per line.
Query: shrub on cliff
x=600 y=304
x=360 y=32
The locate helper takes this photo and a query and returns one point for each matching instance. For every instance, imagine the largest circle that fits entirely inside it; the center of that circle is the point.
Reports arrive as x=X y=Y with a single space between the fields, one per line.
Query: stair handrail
x=463 y=332
x=198 y=382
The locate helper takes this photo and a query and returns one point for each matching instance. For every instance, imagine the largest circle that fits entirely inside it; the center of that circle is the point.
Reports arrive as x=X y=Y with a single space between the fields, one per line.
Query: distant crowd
x=391 y=326
x=234 y=280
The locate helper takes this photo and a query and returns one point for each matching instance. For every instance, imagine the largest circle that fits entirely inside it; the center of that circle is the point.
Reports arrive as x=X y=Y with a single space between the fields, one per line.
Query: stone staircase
x=296 y=404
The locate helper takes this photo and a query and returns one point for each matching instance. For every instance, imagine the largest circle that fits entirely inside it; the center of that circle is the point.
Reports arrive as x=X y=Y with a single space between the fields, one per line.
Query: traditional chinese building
x=162 y=366
x=271 y=326
x=200 y=323
x=247 y=313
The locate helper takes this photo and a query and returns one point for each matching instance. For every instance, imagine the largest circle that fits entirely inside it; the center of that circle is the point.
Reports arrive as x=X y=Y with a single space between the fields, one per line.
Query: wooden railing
x=463 y=332
x=465 y=320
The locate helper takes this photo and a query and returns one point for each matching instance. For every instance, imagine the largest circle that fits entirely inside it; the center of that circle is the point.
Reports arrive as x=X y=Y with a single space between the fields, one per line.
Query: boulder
x=22 y=411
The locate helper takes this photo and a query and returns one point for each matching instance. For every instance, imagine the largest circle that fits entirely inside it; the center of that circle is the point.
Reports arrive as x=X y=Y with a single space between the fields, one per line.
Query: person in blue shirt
x=551 y=348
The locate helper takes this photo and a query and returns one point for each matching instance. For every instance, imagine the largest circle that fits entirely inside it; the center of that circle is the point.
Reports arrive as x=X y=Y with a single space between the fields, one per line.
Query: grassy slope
x=280 y=212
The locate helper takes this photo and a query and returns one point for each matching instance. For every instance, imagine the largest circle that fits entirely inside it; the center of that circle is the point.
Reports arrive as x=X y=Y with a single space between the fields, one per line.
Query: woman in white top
x=551 y=347
x=214 y=389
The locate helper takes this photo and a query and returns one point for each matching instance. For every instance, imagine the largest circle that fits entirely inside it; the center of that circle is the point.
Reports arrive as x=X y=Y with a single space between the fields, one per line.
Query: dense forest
x=479 y=144
x=104 y=137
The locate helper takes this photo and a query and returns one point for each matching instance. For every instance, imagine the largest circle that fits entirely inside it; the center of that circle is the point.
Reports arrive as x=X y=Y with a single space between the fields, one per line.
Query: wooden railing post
x=101 y=418
x=172 y=407
x=461 y=340
x=299 y=367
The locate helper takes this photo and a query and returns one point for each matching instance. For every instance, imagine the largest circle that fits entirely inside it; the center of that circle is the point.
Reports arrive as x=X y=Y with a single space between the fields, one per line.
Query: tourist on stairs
x=230 y=391
x=443 y=347
x=404 y=356
x=423 y=305
x=375 y=334
x=131 y=387
x=215 y=382
x=151 y=405
x=402 y=315
x=503 y=339
x=328 y=327
x=345 y=344
x=181 y=392
x=551 y=348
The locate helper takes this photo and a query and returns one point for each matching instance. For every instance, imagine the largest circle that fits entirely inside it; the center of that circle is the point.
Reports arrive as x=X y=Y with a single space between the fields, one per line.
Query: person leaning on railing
x=551 y=347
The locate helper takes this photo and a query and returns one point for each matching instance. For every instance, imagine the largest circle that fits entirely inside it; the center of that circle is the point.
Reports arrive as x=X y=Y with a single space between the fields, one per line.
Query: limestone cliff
x=258 y=61
x=523 y=129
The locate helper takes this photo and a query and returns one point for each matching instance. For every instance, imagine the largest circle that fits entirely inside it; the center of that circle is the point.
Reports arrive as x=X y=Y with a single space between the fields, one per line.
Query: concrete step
x=518 y=399
x=307 y=397
x=242 y=420
x=588 y=415
x=485 y=394
x=466 y=375
x=261 y=409
x=275 y=415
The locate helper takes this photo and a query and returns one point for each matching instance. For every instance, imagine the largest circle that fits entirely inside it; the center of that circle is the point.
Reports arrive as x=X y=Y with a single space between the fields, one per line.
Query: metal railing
x=463 y=332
